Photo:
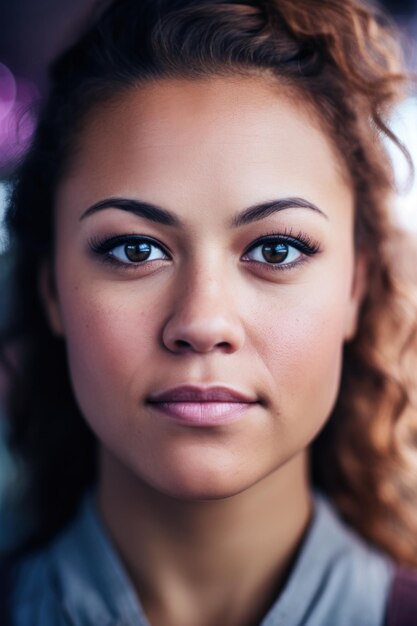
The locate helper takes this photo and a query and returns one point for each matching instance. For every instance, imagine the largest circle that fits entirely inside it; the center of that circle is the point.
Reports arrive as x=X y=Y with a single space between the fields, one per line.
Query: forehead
x=236 y=132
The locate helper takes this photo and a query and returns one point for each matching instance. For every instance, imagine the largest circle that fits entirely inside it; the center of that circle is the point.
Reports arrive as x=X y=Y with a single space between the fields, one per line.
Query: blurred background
x=33 y=32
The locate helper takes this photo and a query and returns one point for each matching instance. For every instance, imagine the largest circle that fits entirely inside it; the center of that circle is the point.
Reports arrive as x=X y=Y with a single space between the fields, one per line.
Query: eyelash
x=301 y=242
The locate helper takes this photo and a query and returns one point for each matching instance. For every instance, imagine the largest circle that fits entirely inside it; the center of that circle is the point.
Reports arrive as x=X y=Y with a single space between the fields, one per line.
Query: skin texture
x=196 y=505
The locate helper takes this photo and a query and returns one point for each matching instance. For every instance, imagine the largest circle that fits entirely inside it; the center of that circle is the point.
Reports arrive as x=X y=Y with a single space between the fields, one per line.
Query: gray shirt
x=79 y=579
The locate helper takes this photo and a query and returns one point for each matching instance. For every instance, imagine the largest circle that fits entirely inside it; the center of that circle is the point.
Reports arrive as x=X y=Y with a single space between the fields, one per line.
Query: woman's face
x=196 y=295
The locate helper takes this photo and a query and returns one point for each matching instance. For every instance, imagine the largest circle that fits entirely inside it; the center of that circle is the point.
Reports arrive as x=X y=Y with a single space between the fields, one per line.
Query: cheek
x=302 y=350
x=111 y=341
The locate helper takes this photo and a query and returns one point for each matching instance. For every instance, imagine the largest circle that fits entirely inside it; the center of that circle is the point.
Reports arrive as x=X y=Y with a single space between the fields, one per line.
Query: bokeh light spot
x=7 y=91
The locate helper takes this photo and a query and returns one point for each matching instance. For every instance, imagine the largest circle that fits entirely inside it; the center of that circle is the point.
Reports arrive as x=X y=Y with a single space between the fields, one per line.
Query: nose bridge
x=206 y=278
x=208 y=284
x=204 y=314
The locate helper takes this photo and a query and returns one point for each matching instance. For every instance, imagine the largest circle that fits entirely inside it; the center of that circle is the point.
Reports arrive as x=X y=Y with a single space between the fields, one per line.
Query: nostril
x=202 y=334
x=180 y=343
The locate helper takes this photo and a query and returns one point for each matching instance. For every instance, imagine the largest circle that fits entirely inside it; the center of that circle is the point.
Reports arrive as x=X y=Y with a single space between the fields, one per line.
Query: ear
x=359 y=285
x=49 y=297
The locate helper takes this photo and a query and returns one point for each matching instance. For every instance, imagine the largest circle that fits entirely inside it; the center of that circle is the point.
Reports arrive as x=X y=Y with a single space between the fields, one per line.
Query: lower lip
x=204 y=413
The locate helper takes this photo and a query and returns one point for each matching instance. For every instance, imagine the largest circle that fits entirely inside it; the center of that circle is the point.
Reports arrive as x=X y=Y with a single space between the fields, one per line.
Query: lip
x=202 y=406
x=194 y=393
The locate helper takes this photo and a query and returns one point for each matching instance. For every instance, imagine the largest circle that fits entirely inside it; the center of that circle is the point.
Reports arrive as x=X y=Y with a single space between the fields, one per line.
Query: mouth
x=202 y=406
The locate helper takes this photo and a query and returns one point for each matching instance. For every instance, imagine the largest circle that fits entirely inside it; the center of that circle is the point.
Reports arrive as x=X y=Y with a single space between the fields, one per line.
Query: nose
x=204 y=317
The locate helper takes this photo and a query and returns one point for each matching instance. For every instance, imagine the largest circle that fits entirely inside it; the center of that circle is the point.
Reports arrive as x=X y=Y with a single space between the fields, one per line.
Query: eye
x=281 y=252
x=137 y=252
x=129 y=250
x=274 y=252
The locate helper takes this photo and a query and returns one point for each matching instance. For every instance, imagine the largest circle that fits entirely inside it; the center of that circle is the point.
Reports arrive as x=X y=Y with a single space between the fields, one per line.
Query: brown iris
x=275 y=253
x=137 y=252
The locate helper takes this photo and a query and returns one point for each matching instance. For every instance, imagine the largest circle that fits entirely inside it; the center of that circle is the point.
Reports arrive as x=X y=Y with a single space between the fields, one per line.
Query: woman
x=215 y=342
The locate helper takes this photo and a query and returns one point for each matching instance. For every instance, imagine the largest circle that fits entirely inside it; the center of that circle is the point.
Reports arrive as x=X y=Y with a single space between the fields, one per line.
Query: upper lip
x=193 y=393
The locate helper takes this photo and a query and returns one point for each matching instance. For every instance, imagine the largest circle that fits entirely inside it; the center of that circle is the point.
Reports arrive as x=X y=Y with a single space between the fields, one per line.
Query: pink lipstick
x=202 y=406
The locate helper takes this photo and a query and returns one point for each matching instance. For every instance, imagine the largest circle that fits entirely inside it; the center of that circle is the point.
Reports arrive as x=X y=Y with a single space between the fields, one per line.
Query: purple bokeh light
x=7 y=91
x=17 y=117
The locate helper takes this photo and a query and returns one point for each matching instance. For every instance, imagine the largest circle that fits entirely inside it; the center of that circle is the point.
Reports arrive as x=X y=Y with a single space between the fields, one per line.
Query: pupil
x=137 y=252
x=275 y=253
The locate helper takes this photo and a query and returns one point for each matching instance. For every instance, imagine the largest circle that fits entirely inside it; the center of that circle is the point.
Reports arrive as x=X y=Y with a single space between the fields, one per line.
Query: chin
x=193 y=491
x=192 y=471
x=203 y=482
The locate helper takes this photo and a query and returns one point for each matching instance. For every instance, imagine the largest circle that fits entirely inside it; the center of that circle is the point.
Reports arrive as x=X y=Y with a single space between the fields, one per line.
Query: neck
x=185 y=555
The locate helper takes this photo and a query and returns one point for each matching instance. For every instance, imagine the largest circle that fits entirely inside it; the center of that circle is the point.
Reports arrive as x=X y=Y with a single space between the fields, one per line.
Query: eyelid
x=301 y=240
x=106 y=244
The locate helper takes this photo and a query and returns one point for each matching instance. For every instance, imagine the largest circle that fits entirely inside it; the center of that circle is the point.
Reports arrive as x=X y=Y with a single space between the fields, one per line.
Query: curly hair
x=345 y=60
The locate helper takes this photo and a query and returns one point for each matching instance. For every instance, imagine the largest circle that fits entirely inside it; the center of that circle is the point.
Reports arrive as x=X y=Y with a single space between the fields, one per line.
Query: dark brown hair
x=345 y=61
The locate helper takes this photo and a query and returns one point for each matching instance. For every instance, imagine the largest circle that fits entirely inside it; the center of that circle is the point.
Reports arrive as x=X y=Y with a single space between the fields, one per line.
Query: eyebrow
x=162 y=216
